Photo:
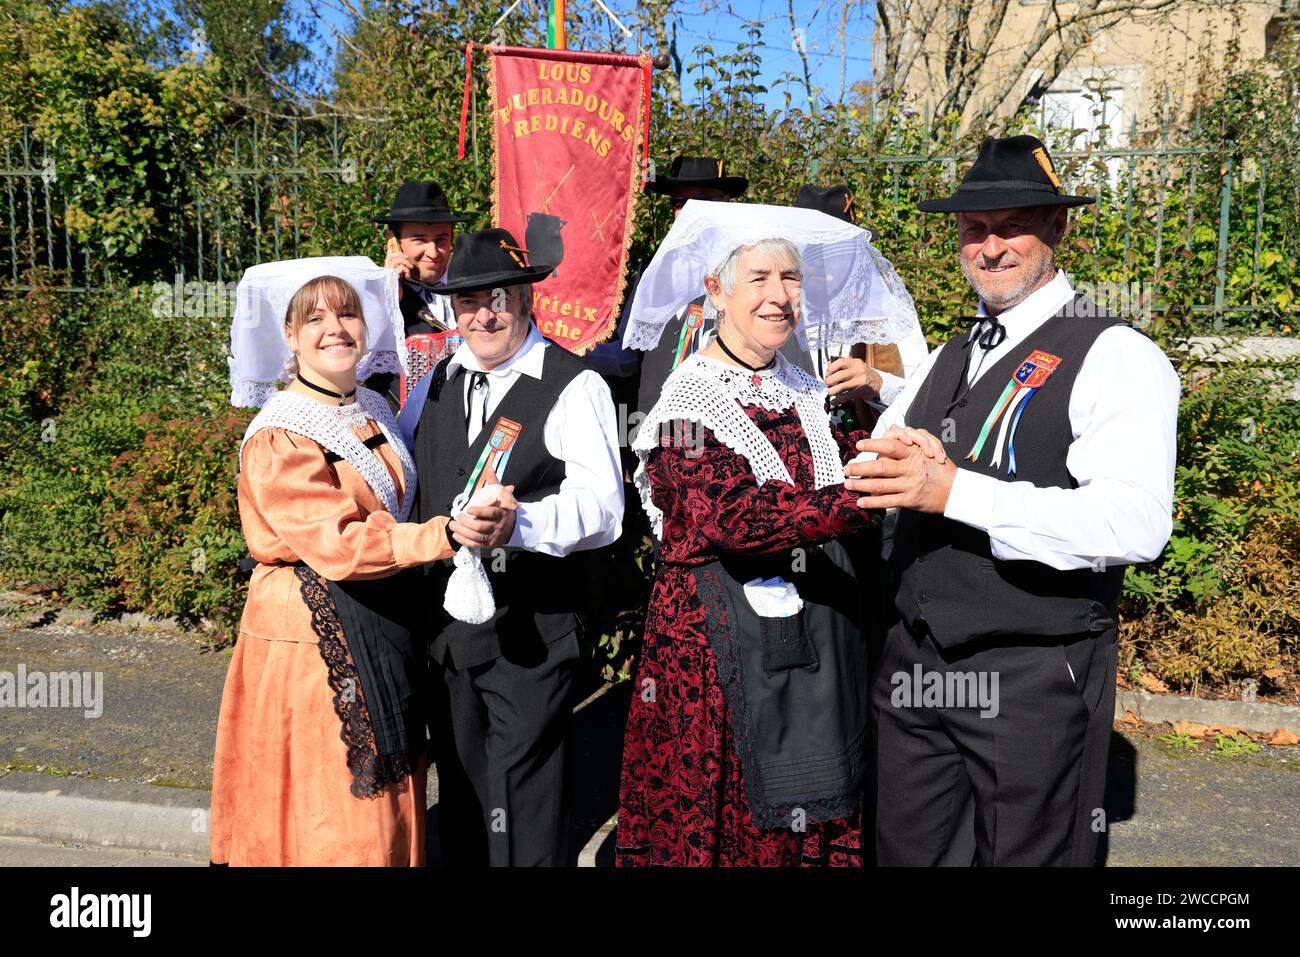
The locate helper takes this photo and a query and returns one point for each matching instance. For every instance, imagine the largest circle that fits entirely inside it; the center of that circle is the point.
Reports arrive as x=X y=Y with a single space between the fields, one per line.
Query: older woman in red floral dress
x=739 y=462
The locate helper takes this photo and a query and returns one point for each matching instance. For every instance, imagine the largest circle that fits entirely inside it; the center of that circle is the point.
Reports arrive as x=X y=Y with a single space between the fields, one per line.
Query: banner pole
x=464 y=102
x=555 y=37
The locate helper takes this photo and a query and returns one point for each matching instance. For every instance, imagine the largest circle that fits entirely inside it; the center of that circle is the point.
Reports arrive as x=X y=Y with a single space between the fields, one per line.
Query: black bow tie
x=991 y=337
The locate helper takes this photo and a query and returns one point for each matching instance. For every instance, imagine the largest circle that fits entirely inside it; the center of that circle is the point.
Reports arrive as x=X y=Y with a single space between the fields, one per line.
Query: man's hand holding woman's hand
x=911 y=470
x=489 y=520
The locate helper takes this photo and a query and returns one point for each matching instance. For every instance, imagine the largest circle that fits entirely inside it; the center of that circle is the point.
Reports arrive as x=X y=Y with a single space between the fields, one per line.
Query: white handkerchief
x=773 y=597
x=469 y=597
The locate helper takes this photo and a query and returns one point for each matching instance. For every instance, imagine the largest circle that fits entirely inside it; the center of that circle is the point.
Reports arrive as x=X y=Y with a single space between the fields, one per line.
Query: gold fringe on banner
x=635 y=168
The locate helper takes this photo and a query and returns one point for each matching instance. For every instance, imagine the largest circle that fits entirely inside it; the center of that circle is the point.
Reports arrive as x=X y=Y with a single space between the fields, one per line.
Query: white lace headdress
x=850 y=291
x=257 y=348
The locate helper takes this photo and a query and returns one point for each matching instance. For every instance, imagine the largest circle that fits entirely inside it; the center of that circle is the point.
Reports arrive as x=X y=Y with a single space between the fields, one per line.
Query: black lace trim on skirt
x=371 y=771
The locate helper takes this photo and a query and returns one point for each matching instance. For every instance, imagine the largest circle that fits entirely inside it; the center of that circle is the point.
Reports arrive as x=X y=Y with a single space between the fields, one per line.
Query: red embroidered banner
x=570 y=134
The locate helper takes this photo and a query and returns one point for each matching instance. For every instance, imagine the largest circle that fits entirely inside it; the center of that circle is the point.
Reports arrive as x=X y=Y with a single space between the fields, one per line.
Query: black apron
x=380 y=694
x=796 y=688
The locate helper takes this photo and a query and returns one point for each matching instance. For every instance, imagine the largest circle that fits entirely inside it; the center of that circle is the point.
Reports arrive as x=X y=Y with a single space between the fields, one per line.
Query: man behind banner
x=508 y=402
x=420 y=228
x=1053 y=469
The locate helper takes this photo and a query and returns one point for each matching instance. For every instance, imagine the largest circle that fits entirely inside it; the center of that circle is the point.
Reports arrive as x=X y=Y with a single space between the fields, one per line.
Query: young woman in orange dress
x=321 y=741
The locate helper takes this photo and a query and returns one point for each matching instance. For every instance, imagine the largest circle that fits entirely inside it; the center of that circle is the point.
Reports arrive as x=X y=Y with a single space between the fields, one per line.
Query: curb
x=139 y=817
x=1248 y=715
x=144 y=817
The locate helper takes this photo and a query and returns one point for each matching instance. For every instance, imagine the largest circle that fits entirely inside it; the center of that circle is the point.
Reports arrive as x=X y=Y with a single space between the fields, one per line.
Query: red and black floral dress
x=682 y=799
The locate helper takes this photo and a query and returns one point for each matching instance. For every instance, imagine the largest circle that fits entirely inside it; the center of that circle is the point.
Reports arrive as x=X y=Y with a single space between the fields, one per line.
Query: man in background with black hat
x=868 y=374
x=1030 y=460
x=420 y=229
x=510 y=406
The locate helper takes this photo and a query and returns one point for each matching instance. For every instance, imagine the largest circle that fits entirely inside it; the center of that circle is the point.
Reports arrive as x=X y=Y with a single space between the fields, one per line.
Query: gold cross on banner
x=541 y=189
x=598 y=232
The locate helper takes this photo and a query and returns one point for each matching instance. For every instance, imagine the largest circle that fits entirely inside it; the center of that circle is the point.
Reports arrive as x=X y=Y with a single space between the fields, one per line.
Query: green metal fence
x=261 y=217
x=1154 y=207
x=35 y=231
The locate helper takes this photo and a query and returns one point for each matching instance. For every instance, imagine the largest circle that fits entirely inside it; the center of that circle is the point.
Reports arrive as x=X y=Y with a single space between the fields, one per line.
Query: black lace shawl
x=377 y=672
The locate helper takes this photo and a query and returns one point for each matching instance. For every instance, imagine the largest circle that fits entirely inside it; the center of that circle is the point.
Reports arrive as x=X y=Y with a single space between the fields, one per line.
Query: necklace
x=337 y=395
x=754 y=379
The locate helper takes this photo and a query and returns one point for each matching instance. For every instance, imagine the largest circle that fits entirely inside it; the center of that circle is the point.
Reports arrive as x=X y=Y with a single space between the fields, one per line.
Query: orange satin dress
x=280 y=782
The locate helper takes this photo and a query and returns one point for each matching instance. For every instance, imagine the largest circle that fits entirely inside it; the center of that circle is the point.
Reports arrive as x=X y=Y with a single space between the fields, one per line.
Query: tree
x=124 y=135
x=261 y=46
x=952 y=50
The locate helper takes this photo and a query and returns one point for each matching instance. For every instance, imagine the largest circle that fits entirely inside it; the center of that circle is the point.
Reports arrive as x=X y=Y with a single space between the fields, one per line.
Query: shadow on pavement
x=1121 y=789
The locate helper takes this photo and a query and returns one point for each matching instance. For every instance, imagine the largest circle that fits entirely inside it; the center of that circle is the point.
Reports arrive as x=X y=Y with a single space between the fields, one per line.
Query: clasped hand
x=489 y=520
x=911 y=470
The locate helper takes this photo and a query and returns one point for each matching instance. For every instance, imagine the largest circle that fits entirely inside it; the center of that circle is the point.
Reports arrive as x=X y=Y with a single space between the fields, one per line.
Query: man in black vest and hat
x=420 y=227
x=508 y=405
x=870 y=375
x=1030 y=460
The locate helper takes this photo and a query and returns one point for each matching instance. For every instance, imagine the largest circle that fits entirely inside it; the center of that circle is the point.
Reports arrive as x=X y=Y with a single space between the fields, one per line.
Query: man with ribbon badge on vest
x=509 y=406
x=1030 y=460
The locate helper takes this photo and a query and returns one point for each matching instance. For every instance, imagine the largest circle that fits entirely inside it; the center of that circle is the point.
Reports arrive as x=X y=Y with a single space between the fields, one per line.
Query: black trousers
x=499 y=734
x=1023 y=786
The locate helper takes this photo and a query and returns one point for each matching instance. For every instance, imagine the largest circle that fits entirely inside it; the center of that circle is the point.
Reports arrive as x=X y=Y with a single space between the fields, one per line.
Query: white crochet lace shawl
x=331 y=427
x=712 y=393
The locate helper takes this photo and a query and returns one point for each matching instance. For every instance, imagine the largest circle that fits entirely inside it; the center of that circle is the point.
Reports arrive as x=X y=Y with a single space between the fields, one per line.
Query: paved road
x=160 y=702
x=1165 y=807
x=1172 y=807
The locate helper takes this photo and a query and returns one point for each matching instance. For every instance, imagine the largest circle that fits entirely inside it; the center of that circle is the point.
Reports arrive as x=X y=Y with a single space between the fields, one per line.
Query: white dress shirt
x=581 y=431
x=1123 y=413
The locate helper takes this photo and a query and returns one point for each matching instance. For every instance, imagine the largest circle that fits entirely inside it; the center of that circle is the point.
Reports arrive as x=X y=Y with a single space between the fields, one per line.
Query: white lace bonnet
x=850 y=291
x=257 y=348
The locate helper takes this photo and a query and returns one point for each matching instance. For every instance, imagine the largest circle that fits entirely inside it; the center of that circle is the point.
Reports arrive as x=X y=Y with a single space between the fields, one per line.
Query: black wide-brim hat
x=488 y=259
x=1010 y=173
x=701 y=171
x=420 y=203
x=832 y=200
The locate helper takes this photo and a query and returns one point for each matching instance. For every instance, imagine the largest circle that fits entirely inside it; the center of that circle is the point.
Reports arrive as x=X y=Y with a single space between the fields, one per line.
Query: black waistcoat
x=657 y=363
x=946 y=573
x=537 y=596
